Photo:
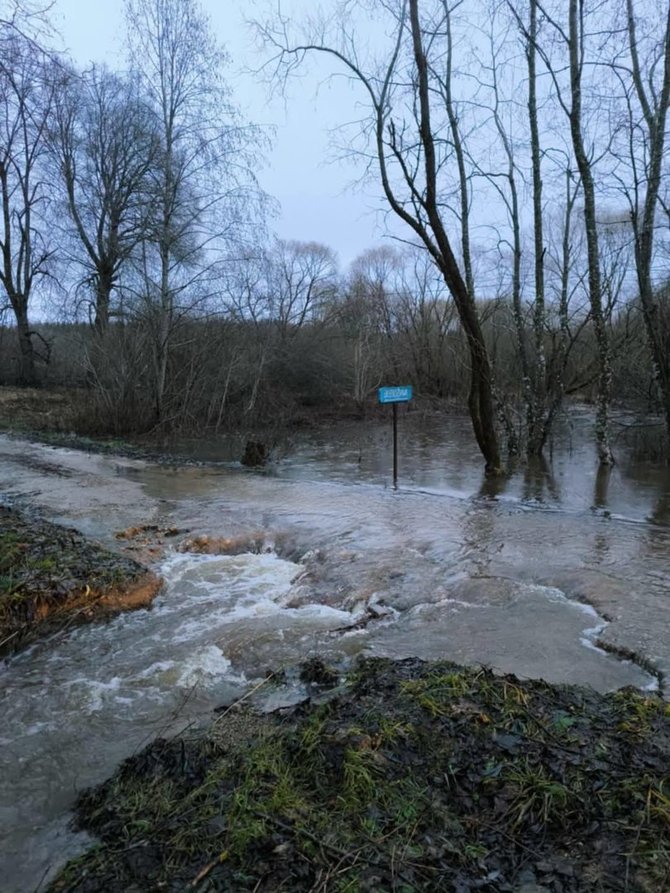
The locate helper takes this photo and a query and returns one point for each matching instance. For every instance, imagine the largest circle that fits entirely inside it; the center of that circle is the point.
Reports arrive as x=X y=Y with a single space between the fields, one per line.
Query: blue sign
x=395 y=395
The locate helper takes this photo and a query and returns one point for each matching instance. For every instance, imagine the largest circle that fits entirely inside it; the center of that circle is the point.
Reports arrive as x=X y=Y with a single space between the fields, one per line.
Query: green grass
x=407 y=780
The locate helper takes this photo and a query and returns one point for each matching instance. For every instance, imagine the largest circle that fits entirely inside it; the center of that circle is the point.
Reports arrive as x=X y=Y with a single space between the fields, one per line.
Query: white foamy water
x=74 y=708
x=527 y=629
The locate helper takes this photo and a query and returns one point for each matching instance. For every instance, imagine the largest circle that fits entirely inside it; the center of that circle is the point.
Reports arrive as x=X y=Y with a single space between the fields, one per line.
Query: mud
x=52 y=578
x=409 y=777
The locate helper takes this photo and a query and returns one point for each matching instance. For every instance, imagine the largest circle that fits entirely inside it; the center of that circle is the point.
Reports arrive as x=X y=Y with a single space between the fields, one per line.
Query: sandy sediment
x=126 y=597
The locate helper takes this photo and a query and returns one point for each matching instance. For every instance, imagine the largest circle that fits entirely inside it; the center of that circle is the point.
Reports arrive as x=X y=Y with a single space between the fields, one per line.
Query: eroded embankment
x=52 y=577
x=410 y=776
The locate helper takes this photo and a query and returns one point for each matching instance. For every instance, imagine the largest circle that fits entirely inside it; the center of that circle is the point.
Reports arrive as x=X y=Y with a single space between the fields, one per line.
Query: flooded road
x=558 y=573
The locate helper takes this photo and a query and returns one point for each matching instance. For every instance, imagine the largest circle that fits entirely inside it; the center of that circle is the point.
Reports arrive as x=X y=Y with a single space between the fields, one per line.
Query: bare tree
x=26 y=94
x=426 y=319
x=205 y=193
x=377 y=276
x=559 y=268
x=27 y=20
x=303 y=280
x=573 y=39
x=106 y=144
x=540 y=427
x=358 y=323
x=531 y=328
x=645 y=77
x=369 y=316
x=508 y=185
x=403 y=94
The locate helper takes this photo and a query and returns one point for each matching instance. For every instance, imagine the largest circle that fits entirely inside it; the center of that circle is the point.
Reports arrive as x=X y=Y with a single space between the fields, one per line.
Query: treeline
x=522 y=147
x=298 y=339
x=125 y=195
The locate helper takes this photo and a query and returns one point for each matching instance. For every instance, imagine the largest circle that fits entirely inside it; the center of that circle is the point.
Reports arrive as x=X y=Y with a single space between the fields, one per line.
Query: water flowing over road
x=560 y=572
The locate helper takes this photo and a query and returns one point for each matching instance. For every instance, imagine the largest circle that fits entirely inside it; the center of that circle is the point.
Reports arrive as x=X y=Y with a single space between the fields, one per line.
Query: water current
x=558 y=572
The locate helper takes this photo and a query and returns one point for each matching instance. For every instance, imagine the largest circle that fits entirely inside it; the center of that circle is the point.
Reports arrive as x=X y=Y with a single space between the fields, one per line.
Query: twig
x=244 y=697
x=351 y=855
x=308 y=834
x=208 y=869
x=9 y=638
x=504 y=833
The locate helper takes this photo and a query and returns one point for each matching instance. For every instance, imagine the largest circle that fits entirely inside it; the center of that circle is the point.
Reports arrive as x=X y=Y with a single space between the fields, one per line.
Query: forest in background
x=523 y=146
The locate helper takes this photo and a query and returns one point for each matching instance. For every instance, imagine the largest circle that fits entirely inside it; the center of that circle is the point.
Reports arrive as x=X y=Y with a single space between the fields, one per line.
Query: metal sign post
x=395 y=395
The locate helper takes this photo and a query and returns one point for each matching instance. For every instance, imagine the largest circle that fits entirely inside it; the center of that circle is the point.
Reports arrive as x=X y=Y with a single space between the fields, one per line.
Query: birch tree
x=575 y=42
x=645 y=78
x=302 y=282
x=540 y=422
x=204 y=192
x=106 y=145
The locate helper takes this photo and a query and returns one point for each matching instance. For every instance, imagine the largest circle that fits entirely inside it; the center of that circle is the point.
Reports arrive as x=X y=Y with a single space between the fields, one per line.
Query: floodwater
x=546 y=574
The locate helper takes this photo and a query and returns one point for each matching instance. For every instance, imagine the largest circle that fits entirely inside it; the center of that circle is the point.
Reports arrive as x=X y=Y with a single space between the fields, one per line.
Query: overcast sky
x=313 y=188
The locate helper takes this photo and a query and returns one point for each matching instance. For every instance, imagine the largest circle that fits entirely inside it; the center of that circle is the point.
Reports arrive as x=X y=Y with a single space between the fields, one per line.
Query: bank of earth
x=402 y=776
x=52 y=578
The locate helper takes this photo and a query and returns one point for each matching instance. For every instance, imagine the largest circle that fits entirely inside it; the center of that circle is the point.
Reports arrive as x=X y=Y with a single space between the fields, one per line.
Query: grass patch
x=415 y=776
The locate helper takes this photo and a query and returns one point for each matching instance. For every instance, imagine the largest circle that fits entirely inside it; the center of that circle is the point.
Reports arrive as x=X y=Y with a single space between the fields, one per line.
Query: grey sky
x=316 y=201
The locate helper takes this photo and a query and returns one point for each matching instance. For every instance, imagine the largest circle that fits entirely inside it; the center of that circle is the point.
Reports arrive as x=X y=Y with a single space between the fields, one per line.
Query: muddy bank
x=408 y=776
x=51 y=578
x=59 y=417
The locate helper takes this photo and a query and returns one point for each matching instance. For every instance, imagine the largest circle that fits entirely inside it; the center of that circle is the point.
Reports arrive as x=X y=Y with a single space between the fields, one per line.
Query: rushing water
x=532 y=577
x=72 y=710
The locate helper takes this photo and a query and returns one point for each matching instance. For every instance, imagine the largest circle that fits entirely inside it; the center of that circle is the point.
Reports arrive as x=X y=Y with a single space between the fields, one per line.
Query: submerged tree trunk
x=560 y=357
x=605 y=455
x=539 y=424
x=654 y=105
x=411 y=158
x=513 y=210
x=480 y=399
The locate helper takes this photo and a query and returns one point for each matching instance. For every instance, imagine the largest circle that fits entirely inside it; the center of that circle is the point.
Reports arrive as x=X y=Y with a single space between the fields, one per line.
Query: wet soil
x=405 y=776
x=54 y=416
x=51 y=578
x=27 y=409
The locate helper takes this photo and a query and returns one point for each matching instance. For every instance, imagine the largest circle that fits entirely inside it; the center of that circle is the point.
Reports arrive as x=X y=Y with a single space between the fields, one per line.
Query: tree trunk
x=26 y=367
x=517 y=309
x=165 y=308
x=657 y=345
x=655 y=109
x=103 y=293
x=162 y=350
x=538 y=429
x=480 y=399
x=605 y=454
x=560 y=359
